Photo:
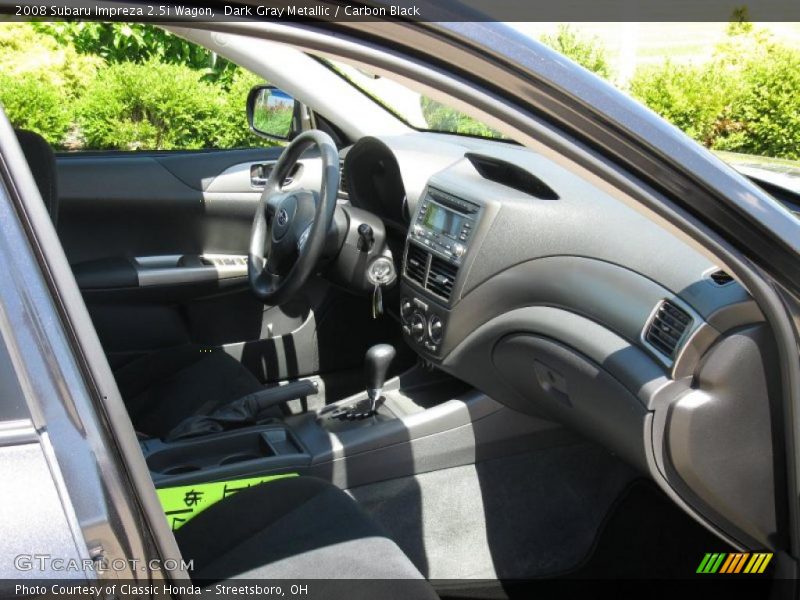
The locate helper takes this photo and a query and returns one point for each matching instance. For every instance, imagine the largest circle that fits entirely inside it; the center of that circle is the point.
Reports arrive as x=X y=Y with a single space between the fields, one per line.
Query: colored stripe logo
x=735 y=562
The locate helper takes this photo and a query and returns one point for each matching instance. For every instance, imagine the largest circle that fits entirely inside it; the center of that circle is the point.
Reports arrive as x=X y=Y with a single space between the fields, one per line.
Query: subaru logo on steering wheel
x=283 y=217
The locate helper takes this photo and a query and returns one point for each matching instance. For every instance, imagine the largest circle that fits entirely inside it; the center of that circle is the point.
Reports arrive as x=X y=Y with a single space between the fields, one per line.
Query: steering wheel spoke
x=278 y=265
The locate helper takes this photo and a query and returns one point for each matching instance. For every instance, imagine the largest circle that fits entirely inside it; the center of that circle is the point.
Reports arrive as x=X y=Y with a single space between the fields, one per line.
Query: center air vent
x=441 y=277
x=416 y=264
x=667 y=328
x=435 y=274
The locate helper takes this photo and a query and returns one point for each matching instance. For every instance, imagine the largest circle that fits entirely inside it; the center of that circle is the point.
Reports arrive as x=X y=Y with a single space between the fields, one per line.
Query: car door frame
x=77 y=412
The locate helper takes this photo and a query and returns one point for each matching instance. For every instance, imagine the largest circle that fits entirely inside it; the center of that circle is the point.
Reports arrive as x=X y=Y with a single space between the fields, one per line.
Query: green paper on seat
x=183 y=503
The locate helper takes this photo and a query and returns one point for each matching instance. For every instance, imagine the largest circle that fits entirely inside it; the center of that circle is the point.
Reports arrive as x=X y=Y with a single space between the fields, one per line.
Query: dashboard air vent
x=441 y=277
x=343 y=193
x=416 y=264
x=667 y=328
x=721 y=277
x=512 y=176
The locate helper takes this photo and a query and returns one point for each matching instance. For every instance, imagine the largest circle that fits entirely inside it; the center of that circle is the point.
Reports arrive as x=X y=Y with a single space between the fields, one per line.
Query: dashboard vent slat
x=442 y=277
x=416 y=264
x=667 y=328
x=721 y=278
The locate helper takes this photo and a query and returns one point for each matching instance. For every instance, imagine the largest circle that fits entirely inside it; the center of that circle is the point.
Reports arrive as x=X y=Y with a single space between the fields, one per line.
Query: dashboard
x=563 y=302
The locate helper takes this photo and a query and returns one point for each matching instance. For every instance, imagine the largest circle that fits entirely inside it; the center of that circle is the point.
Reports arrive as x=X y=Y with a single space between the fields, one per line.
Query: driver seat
x=165 y=387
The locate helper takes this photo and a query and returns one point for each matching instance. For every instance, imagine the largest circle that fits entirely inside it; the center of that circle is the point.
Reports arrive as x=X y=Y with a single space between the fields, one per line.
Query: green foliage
x=746 y=99
x=160 y=106
x=766 y=110
x=134 y=86
x=587 y=52
x=233 y=130
x=40 y=79
x=26 y=53
x=121 y=86
x=275 y=120
x=740 y=22
x=37 y=105
x=149 y=106
x=696 y=99
x=443 y=118
x=136 y=42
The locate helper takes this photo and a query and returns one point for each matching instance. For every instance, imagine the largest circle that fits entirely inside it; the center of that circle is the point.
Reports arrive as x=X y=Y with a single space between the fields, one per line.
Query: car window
x=103 y=86
x=411 y=107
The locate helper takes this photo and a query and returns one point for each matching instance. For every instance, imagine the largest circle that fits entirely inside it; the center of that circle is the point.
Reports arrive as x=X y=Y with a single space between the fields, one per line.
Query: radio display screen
x=441 y=220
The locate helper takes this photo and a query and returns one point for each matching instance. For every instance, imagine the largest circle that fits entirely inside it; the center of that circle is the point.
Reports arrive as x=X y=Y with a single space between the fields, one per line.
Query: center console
x=246 y=452
x=425 y=420
x=442 y=231
x=418 y=421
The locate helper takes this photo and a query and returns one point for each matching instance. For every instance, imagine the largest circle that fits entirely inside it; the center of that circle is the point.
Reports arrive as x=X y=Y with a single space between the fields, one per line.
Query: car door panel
x=158 y=242
x=204 y=202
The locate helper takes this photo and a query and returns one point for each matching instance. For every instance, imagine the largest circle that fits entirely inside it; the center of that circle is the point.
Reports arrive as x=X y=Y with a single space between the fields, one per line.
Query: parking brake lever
x=243 y=412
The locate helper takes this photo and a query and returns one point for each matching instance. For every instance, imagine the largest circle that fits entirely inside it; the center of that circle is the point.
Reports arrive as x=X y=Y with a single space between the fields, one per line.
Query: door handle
x=259 y=173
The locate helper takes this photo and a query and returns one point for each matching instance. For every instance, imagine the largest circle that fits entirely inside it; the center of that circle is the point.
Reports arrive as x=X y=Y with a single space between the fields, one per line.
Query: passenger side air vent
x=720 y=277
x=667 y=328
x=416 y=264
x=441 y=277
x=343 y=193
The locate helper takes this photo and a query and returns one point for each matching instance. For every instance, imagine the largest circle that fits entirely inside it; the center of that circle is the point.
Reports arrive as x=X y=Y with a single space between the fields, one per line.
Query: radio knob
x=459 y=249
x=418 y=327
x=418 y=230
x=435 y=329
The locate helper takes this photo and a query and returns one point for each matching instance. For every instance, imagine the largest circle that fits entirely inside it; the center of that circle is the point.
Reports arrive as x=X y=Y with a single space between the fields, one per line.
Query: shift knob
x=376 y=363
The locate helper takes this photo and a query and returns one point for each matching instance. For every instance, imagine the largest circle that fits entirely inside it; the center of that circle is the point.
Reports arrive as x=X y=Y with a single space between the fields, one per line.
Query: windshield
x=413 y=108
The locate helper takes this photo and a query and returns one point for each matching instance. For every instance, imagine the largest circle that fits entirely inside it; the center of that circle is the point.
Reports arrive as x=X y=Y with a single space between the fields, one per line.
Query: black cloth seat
x=42 y=163
x=298 y=528
x=165 y=387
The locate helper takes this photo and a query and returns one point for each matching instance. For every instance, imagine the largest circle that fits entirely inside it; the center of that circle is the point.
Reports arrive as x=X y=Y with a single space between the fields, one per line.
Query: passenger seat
x=299 y=528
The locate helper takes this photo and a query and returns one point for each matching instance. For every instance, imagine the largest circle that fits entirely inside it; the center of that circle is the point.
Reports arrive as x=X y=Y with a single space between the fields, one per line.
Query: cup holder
x=238 y=458
x=233 y=453
x=180 y=469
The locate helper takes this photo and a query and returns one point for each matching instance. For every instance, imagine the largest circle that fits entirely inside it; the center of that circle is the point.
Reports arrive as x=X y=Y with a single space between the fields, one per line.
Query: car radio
x=438 y=240
x=444 y=224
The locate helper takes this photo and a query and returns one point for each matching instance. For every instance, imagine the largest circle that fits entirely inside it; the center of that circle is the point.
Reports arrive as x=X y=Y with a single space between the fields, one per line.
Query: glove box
x=556 y=382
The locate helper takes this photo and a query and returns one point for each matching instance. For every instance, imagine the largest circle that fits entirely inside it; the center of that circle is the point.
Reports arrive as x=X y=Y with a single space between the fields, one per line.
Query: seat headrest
x=42 y=163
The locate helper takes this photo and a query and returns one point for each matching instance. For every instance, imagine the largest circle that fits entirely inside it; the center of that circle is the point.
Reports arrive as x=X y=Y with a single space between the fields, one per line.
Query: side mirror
x=270 y=112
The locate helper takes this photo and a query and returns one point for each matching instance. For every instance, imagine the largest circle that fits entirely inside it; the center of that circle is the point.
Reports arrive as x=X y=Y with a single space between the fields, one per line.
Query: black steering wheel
x=290 y=227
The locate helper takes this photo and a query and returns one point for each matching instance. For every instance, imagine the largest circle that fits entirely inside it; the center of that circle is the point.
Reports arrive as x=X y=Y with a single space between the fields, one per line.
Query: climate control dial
x=435 y=329
x=418 y=326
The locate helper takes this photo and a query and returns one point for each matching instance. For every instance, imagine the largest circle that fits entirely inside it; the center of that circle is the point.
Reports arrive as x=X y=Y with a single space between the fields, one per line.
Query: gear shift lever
x=376 y=363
